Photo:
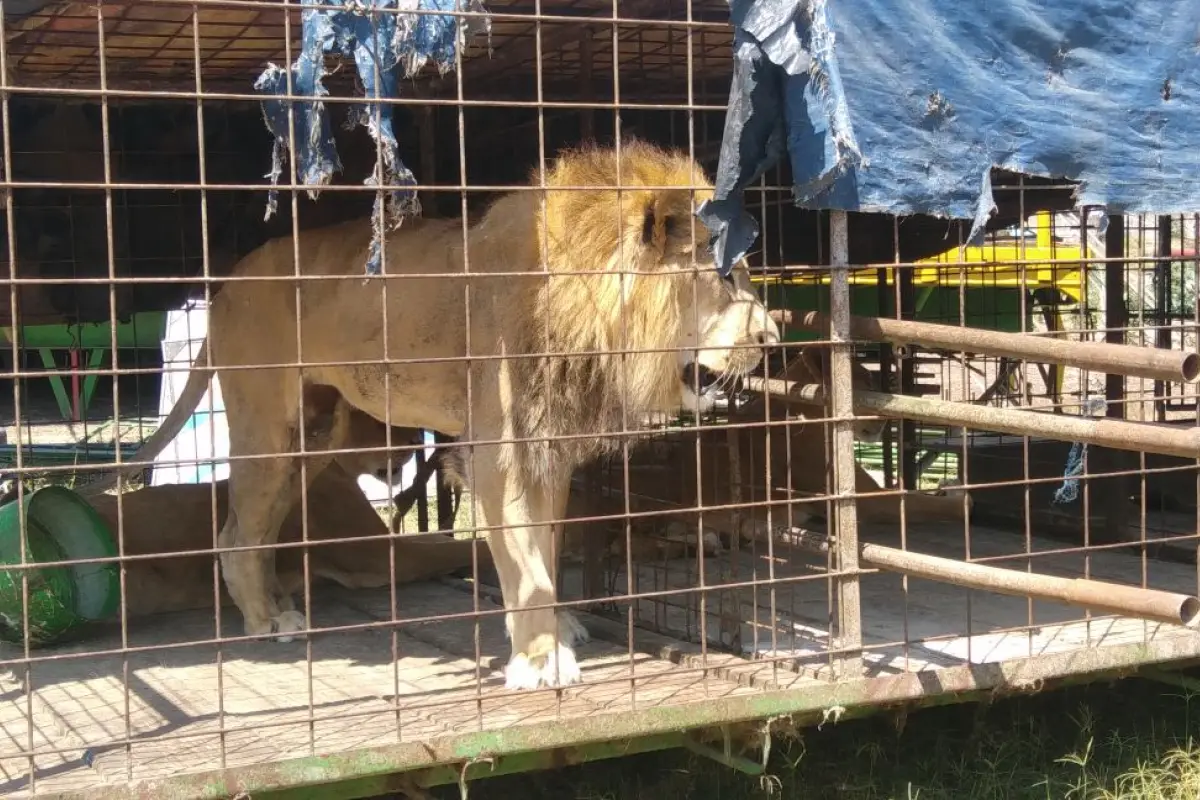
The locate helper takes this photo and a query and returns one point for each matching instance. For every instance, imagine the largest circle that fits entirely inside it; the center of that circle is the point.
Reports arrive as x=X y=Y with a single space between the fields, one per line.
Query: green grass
x=1129 y=740
x=869 y=455
x=462 y=520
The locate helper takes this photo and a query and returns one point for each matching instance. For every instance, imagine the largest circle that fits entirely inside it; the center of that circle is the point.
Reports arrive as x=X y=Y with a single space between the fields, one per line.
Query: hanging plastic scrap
x=899 y=108
x=786 y=97
x=386 y=43
x=1069 y=491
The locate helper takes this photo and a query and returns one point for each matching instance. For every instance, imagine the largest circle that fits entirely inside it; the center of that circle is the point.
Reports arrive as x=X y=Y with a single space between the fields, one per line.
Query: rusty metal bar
x=1114 y=598
x=1139 y=362
x=1146 y=437
x=849 y=610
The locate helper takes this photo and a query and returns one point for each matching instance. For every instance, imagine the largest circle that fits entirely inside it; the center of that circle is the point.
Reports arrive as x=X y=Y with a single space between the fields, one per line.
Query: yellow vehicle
x=994 y=264
x=980 y=287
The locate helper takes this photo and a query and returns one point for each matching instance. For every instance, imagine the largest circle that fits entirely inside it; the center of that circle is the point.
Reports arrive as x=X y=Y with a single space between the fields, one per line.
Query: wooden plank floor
x=187 y=714
x=96 y=721
x=908 y=626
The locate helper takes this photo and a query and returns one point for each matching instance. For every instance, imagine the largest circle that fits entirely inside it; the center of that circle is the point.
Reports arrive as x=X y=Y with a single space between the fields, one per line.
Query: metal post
x=1162 y=306
x=1119 y=434
x=883 y=294
x=842 y=409
x=909 y=470
x=1133 y=361
x=1114 y=491
x=1171 y=608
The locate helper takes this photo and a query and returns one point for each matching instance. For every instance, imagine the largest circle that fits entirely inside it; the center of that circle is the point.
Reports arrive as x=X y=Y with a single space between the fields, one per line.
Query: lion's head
x=633 y=279
x=813 y=366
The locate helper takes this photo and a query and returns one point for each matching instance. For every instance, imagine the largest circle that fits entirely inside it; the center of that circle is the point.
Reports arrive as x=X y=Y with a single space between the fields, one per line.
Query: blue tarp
x=904 y=107
x=386 y=44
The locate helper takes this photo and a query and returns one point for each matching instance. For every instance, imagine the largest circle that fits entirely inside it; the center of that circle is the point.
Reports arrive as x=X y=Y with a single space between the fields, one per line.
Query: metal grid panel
x=727 y=566
x=154 y=47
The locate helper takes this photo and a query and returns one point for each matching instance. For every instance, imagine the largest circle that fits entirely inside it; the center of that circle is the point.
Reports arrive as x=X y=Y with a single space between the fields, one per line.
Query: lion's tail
x=189 y=399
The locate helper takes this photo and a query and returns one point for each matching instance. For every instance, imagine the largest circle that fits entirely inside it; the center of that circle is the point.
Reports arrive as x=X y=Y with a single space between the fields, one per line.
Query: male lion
x=584 y=309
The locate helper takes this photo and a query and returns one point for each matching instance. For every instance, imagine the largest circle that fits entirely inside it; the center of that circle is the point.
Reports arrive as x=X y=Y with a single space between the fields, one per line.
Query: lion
x=799 y=469
x=790 y=452
x=162 y=580
x=538 y=335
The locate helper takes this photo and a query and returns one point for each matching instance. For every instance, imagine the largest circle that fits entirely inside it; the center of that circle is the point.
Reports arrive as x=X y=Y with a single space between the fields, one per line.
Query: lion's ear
x=654 y=224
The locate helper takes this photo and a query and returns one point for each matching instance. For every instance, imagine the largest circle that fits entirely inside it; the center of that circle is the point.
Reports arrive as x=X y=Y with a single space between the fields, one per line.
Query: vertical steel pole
x=909 y=453
x=842 y=411
x=1115 y=491
x=1162 y=310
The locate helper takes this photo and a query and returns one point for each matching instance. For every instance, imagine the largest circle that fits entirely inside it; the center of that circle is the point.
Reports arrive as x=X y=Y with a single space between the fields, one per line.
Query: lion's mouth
x=699 y=378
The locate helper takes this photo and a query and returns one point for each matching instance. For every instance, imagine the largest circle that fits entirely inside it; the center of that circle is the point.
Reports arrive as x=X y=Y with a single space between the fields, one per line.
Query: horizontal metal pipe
x=1113 y=598
x=1139 y=362
x=1144 y=437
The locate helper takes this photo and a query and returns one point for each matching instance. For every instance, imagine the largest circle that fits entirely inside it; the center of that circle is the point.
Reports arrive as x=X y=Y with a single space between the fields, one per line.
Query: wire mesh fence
x=413 y=493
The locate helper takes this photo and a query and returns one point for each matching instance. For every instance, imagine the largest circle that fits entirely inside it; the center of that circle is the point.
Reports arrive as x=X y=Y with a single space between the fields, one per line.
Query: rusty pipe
x=1114 y=598
x=1145 y=437
x=1140 y=362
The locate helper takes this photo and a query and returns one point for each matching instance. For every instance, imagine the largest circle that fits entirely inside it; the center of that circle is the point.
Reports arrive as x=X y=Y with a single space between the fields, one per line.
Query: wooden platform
x=908 y=624
x=93 y=722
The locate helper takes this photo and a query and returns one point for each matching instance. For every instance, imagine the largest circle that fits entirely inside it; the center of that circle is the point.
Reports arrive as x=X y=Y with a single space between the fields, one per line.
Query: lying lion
x=799 y=470
x=584 y=310
x=337 y=509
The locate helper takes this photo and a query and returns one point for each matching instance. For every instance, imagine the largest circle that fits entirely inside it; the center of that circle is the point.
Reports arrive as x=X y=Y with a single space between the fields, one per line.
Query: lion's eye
x=670 y=225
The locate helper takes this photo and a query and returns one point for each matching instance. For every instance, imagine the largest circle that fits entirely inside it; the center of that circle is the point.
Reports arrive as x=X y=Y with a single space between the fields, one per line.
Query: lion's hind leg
x=263 y=421
x=260 y=495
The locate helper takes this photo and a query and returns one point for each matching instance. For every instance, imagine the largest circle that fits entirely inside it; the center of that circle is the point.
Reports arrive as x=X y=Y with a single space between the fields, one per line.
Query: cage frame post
x=849 y=607
x=1162 y=308
x=1112 y=357
x=1114 y=490
x=1115 y=434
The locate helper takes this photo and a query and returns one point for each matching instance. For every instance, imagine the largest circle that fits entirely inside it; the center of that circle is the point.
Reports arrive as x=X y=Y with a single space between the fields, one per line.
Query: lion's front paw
x=288 y=623
x=556 y=668
x=571 y=632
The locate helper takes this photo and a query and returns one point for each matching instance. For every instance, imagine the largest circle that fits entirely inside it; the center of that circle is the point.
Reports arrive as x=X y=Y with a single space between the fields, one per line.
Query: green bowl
x=51 y=589
x=60 y=526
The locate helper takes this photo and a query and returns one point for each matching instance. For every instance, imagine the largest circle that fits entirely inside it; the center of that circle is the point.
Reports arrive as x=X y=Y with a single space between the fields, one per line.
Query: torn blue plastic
x=1069 y=491
x=905 y=108
x=385 y=46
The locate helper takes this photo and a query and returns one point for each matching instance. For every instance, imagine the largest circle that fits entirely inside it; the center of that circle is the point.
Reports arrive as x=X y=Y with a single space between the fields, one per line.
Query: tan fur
x=370 y=448
x=606 y=271
x=798 y=461
x=178 y=518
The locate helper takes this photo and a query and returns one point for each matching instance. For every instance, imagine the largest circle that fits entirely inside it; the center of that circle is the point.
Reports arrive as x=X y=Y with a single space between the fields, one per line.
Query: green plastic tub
x=60 y=526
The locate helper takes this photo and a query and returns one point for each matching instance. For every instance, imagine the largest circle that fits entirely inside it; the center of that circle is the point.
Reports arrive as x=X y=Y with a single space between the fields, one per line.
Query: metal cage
x=959 y=470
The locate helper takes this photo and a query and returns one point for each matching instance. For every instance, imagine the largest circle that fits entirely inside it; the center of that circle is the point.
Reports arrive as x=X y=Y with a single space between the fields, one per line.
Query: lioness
x=795 y=454
x=580 y=309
